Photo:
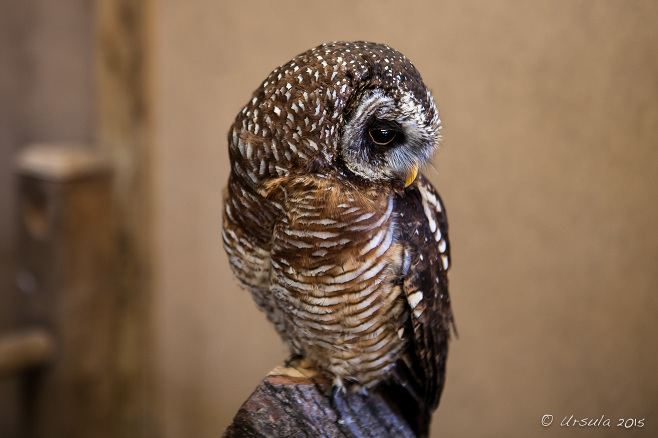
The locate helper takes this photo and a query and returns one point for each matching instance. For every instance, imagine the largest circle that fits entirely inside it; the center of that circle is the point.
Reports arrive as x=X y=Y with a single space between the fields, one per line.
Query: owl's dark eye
x=382 y=137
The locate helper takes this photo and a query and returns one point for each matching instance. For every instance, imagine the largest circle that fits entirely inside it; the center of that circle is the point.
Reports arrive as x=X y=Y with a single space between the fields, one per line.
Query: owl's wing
x=249 y=219
x=424 y=231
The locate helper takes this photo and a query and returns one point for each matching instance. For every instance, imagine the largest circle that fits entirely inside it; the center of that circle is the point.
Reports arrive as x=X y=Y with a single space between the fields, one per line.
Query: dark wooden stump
x=296 y=401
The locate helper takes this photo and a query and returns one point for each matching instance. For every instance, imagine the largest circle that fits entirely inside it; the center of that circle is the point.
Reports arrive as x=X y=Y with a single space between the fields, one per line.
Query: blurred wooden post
x=64 y=277
x=123 y=82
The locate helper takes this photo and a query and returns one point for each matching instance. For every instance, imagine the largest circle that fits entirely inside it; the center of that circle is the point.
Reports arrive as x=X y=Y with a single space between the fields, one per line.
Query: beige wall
x=549 y=171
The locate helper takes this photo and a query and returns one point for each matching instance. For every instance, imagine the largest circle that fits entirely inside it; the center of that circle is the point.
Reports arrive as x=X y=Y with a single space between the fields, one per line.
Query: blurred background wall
x=549 y=171
x=46 y=94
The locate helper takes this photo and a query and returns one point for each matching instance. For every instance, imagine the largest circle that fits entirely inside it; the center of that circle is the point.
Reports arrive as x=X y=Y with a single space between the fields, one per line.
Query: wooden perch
x=296 y=401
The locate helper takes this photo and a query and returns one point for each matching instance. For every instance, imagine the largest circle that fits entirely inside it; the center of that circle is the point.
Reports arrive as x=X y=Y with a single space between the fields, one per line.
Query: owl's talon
x=335 y=398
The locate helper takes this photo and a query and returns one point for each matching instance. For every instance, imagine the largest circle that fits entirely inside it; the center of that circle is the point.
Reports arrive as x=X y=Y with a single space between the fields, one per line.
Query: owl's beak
x=411 y=176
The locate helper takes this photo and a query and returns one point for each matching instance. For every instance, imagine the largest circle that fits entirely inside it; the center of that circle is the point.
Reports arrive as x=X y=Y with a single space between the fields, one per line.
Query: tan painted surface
x=549 y=171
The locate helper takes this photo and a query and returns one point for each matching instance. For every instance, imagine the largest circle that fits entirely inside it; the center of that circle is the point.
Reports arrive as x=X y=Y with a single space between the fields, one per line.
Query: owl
x=331 y=227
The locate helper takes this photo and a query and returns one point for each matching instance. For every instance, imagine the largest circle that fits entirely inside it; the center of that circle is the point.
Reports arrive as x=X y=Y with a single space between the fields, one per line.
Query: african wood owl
x=329 y=224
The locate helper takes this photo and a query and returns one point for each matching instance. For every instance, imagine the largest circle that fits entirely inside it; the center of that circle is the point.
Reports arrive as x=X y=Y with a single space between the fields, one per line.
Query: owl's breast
x=335 y=262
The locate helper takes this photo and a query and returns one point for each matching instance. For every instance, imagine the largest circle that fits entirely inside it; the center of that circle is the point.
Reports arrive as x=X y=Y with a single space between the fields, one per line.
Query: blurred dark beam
x=121 y=56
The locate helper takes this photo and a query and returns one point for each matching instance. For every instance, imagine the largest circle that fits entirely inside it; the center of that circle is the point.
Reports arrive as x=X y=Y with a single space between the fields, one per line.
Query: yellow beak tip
x=411 y=177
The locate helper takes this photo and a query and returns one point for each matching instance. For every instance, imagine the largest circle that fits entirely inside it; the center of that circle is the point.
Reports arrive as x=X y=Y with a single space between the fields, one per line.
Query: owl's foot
x=335 y=400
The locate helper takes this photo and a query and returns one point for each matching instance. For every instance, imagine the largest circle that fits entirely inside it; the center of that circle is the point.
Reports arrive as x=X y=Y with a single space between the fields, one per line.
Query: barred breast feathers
x=334 y=261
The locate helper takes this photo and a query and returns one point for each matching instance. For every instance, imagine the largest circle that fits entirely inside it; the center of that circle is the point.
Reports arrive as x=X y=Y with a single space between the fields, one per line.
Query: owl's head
x=358 y=111
x=387 y=136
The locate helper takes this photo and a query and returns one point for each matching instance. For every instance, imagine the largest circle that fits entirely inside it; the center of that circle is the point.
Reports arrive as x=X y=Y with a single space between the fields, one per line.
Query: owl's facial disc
x=387 y=139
